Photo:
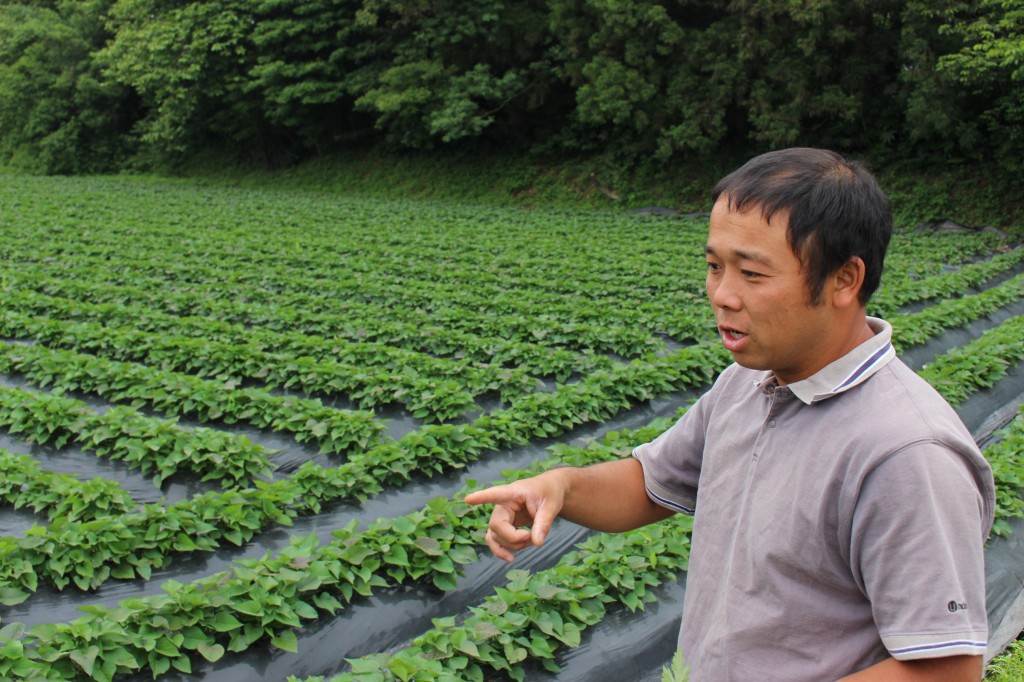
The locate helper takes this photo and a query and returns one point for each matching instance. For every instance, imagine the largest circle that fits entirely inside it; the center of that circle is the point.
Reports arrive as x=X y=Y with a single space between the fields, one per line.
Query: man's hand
x=533 y=502
x=946 y=669
x=609 y=497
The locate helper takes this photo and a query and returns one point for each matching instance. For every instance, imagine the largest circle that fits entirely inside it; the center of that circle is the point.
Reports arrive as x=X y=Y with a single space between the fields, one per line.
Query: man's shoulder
x=905 y=388
x=895 y=400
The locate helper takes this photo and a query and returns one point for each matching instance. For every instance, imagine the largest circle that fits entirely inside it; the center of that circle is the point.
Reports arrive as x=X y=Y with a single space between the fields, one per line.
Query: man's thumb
x=542 y=521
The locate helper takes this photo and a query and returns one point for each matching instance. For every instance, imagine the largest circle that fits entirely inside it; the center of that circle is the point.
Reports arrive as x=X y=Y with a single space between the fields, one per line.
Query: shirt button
x=771 y=424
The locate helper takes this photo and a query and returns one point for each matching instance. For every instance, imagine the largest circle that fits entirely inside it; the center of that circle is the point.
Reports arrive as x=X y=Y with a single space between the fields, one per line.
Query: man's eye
x=750 y=274
x=713 y=267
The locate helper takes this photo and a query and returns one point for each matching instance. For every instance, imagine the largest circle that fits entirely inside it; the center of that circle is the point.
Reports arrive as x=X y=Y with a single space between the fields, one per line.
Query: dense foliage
x=87 y=85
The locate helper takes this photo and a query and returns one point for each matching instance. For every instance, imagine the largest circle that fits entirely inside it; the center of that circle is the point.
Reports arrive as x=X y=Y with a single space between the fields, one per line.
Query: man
x=840 y=505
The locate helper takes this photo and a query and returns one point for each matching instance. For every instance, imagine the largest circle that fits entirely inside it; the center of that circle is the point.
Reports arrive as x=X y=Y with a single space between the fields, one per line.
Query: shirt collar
x=852 y=369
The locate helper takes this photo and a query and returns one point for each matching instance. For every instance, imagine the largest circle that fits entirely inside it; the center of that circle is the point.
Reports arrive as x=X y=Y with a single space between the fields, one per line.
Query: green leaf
x=211 y=652
x=429 y=546
x=183 y=664
x=485 y=629
x=304 y=610
x=677 y=671
x=364 y=666
x=469 y=647
x=86 y=660
x=12 y=631
x=287 y=641
x=444 y=581
x=225 y=622
x=11 y=596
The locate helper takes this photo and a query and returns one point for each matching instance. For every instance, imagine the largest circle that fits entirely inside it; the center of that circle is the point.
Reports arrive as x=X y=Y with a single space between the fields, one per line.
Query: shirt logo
x=955 y=606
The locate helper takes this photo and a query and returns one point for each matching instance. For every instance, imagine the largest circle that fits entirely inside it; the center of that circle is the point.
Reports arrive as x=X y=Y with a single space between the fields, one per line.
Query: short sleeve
x=917 y=551
x=672 y=461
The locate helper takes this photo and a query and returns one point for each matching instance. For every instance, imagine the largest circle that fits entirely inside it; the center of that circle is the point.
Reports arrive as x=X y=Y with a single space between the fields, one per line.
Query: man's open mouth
x=733 y=339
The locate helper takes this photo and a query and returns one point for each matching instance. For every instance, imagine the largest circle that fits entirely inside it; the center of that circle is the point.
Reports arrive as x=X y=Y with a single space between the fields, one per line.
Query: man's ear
x=847 y=282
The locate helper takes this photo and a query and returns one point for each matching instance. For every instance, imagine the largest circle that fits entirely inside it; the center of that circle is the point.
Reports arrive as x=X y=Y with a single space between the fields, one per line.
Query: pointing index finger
x=494 y=495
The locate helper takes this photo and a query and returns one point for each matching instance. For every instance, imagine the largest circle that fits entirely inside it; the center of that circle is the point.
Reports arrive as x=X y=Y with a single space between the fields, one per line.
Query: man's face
x=758 y=291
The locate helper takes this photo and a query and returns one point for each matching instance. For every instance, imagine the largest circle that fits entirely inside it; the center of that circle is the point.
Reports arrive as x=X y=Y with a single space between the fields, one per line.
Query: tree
x=313 y=60
x=58 y=113
x=188 y=63
x=457 y=70
x=84 y=83
x=633 y=66
x=990 y=69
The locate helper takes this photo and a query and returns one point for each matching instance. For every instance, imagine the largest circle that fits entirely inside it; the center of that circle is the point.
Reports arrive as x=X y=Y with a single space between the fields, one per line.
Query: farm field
x=236 y=425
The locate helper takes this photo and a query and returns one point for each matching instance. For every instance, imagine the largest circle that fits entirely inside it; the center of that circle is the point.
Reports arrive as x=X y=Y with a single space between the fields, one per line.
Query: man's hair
x=835 y=207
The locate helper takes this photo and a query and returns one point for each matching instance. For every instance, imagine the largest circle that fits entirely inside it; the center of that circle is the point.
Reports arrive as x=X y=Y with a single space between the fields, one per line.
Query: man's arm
x=608 y=497
x=947 y=669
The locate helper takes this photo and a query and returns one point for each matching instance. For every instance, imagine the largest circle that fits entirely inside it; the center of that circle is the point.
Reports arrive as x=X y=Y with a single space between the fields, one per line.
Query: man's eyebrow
x=742 y=255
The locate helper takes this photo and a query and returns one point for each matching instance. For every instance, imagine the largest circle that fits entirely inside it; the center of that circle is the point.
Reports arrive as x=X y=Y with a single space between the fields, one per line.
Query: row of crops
x=236 y=425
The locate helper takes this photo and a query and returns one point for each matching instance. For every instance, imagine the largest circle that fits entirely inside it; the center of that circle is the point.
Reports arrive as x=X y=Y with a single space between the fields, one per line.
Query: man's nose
x=722 y=292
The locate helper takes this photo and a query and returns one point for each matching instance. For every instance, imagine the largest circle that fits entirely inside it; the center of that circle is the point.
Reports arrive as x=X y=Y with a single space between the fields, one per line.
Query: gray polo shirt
x=839 y=520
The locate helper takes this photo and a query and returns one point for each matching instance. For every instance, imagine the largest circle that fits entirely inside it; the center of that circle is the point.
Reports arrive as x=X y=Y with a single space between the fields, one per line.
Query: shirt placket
x=778 y=398
x=731 y=604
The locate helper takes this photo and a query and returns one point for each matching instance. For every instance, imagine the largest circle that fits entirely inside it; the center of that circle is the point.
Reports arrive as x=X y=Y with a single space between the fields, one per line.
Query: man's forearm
x=609 y=497
x=946 y=669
